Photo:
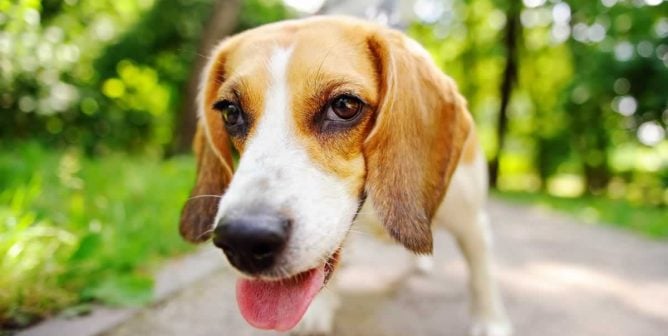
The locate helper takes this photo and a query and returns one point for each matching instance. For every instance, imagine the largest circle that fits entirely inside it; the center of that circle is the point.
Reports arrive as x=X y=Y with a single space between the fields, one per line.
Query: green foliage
x=102 y=74
x=74 y=229
x=611 y=68
x=258 y=12
x=589 y=86
x=142 y=75
x=48 y=82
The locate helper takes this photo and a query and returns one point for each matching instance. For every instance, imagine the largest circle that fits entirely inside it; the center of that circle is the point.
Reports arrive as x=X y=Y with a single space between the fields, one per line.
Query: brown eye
x=233 y=117
x=231 y=113
x=341 y=113
x=345 y=107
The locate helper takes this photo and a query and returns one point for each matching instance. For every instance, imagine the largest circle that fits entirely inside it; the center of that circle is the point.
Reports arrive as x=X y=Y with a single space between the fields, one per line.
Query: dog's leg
x=319 y=318
x=474 y=240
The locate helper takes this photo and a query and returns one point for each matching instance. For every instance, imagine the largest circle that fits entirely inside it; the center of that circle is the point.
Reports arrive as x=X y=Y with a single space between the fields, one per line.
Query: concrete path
x=558 y=277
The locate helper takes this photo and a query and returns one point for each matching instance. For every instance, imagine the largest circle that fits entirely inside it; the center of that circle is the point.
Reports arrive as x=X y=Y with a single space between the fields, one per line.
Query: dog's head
x=324 y=113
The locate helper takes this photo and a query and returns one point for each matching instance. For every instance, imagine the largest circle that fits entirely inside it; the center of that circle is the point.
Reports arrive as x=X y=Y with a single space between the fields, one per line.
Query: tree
x=513 y=32
x=222 y=22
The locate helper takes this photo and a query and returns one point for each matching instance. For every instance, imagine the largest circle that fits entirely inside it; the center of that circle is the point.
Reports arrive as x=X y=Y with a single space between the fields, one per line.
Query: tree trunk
x=512 y=33
x=223 y=20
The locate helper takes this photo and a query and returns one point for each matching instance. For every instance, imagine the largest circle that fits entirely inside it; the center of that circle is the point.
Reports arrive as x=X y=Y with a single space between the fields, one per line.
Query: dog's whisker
x=206 y=57
x=202 y=196
x=205 y=233
x=360 y=232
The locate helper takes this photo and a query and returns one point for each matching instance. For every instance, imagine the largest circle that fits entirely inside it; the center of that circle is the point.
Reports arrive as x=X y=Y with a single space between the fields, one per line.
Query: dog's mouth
x=280 y=304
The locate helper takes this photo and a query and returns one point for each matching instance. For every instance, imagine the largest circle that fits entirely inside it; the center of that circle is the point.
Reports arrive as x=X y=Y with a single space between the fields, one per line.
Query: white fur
x=424 y=264
x=463 y=213
x=319 y=318
x=275 y=172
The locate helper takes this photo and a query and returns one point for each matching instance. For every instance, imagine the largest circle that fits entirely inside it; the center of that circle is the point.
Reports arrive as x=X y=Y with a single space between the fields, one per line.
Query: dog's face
x=323 y=112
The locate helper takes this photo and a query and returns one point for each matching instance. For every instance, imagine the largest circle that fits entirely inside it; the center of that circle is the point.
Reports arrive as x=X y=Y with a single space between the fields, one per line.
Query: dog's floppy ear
x=214 y=160
x=412 y=151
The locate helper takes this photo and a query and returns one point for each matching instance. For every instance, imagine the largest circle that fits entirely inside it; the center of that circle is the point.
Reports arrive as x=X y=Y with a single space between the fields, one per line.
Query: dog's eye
x=341 y=113
x=231 y=112
x=344 y=107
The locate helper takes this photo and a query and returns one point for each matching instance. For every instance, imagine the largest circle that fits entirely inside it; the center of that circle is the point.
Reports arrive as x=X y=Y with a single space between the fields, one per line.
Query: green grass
x=75 y=230
x=649 y=221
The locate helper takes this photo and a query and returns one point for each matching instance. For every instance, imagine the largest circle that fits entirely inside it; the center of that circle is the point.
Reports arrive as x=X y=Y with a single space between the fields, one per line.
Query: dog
x=332 y=117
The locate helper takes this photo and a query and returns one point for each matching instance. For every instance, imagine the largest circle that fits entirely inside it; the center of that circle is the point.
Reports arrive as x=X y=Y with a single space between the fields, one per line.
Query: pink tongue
x=279 y=304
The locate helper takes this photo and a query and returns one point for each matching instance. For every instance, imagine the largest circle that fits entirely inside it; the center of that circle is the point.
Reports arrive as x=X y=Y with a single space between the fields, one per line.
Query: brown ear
x=412 y=151
x=214 y=160
x=213 y=177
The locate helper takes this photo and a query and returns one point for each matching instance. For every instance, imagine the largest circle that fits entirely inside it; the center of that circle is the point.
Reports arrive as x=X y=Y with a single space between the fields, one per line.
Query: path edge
x=173 y=276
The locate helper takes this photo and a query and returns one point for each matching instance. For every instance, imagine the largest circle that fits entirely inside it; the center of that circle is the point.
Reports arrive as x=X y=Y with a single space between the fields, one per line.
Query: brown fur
x=316 y=76
x=212 y=179
x=471 y=149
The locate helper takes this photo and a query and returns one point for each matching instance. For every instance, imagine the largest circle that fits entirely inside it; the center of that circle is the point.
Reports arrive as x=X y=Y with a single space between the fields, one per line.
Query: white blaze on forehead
x=276 y=175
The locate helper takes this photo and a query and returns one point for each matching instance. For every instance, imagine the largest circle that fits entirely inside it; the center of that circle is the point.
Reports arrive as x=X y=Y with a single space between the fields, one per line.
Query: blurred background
x=97 y=114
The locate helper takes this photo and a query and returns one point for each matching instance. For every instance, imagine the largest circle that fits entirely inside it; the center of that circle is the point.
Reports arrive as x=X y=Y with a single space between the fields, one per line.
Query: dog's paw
x=319 y=318
x=491 y=328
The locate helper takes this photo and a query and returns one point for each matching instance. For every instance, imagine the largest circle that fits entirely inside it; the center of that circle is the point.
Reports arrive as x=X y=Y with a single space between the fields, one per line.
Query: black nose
x=252 y=242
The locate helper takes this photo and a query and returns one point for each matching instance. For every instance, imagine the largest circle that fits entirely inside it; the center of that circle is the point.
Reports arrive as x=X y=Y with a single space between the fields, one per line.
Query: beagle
x=332 y=118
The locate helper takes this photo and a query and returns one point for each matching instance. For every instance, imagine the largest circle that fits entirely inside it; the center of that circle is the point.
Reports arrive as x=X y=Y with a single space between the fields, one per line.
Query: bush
x=74 y=229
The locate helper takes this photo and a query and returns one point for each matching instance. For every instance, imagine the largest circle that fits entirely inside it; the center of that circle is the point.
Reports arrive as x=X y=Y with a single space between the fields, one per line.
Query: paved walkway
x=558 y=278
